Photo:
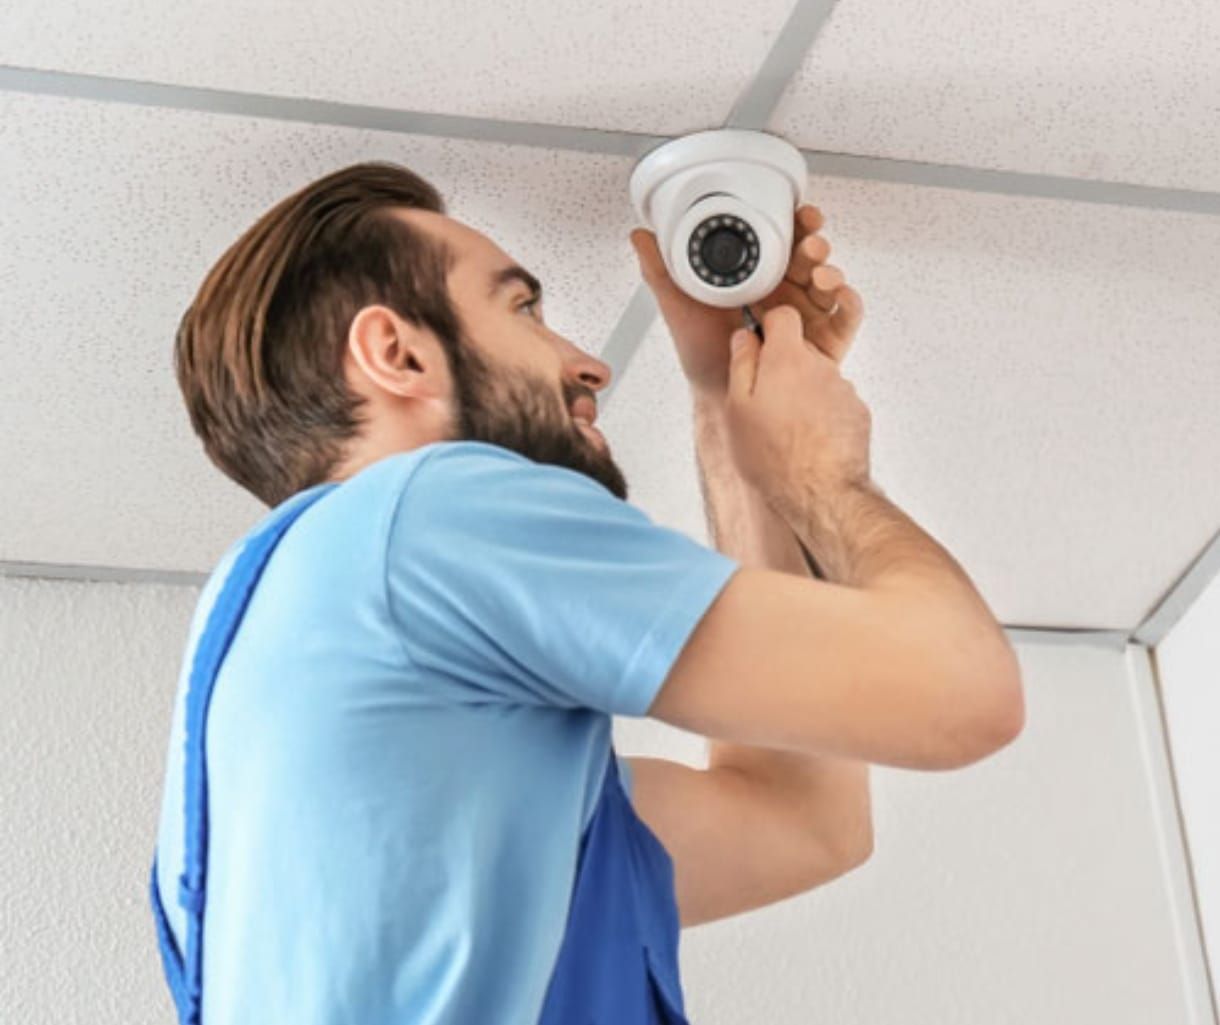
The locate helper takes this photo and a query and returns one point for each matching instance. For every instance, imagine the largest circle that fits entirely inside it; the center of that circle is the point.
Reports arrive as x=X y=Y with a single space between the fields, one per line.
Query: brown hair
x=259 y=352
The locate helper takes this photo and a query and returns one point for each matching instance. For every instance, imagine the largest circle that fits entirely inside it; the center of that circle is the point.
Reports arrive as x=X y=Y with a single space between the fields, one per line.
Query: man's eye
x=531 y=305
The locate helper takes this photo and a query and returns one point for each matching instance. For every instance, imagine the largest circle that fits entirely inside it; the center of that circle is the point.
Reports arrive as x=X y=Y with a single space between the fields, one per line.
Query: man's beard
x=510 y=408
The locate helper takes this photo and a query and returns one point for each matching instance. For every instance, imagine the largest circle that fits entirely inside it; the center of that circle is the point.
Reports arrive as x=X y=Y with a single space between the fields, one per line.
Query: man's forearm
x=835 y=791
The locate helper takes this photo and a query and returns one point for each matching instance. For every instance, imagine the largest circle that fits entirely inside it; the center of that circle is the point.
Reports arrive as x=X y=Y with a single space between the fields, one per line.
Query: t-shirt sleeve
x=534 y=583
x=624 y=774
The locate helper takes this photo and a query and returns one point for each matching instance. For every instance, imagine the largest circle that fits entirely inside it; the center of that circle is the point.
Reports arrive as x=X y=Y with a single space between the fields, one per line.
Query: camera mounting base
x=717 y=146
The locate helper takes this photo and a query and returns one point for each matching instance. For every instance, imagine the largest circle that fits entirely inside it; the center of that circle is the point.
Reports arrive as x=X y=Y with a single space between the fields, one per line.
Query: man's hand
x=701 y=332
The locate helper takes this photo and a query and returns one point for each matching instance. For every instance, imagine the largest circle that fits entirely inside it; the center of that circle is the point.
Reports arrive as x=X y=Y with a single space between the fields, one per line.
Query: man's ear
x=392 y=354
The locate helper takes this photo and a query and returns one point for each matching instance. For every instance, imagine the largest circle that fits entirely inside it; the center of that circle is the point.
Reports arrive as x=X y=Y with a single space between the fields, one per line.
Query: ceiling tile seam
x=625 y=339
x=758 y=100
x=73 y=85
x=963 y=178
x=751 y=111
x=1181 y=595
x=99 y=574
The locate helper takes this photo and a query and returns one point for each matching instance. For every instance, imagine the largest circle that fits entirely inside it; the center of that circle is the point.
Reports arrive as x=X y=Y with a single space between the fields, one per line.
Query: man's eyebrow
x=507 y=275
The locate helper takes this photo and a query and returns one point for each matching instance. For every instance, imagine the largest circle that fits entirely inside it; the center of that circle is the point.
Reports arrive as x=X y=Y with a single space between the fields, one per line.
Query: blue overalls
x=618 y=961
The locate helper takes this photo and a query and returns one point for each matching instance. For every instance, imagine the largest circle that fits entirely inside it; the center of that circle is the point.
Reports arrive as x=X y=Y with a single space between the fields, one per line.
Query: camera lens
x=723 y=250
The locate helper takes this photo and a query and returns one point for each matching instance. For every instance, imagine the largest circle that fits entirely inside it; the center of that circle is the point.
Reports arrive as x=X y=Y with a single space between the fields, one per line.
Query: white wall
x=1026 y=889
x=87 y=687
x=1188 y=664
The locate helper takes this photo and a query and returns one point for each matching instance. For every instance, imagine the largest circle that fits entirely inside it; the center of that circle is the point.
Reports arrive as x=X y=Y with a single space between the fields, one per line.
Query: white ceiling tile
x=631 y=66
x=1042 y=379
x=119 y=213
x=648 y=423
x=1122 y=90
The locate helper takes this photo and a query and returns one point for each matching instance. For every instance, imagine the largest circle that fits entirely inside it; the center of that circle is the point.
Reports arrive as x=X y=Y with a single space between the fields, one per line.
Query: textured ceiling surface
x=634 y=66
x=1041 y=373
x=1120 y=90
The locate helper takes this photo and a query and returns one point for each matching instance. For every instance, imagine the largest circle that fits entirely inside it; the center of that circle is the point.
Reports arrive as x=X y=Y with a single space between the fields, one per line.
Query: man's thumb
x=743 y=353
x=637 y=236
x=652 y=267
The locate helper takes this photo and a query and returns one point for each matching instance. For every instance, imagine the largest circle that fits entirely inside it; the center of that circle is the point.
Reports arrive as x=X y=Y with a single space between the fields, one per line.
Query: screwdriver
x=752 y=322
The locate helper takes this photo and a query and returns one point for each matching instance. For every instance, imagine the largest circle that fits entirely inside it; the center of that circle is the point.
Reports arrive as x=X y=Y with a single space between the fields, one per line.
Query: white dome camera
x=722 y=205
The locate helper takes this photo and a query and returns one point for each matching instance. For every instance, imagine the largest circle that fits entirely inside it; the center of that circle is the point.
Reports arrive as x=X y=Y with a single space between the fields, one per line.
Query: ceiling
x=1026 y=196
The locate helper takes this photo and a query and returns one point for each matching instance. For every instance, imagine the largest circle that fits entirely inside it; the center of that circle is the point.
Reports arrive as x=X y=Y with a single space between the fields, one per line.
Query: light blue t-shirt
x=408 y=735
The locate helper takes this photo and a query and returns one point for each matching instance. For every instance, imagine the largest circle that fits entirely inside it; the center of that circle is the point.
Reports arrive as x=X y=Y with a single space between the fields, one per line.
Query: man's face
x=518 y=380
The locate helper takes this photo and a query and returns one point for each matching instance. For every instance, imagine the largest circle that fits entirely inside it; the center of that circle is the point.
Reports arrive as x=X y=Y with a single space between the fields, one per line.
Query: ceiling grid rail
x=102 y=88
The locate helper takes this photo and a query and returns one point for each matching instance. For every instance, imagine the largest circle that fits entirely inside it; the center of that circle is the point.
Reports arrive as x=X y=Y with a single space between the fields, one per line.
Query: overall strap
x=618 y=959
x=185 y=975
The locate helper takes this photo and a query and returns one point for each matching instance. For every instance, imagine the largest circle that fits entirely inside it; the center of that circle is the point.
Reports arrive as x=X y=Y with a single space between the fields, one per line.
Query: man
x=413 y=811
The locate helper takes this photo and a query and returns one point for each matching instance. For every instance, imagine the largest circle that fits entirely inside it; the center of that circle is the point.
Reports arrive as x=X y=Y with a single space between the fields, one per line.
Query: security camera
x=722 y=205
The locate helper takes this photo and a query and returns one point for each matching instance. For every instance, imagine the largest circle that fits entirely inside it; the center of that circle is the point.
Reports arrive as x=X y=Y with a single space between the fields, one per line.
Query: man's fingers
x=847 y=318
x=808 y=247
x=808 y=253
x=809 y=219
x=841 y=326
x=822 y=284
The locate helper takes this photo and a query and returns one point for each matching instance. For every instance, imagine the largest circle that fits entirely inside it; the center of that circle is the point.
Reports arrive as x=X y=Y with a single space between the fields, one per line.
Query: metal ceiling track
x=100 y=88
